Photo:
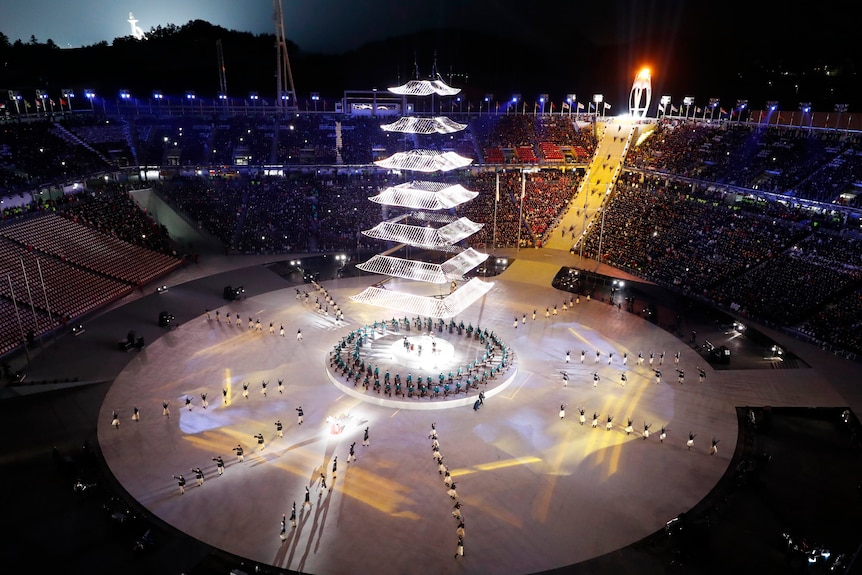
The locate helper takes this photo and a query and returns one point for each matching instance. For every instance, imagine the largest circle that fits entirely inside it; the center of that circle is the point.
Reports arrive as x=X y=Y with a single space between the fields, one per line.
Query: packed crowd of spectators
x=111 y=138
x=311 y=211
x=482 y=210
x=762 y=258
x=818 y=165
x=242 y=140
x=108 y=208
x=839 y=322
x=771 y=259
x=678 y=234
x=35 y=154
x=506 y=138
x=793 y=284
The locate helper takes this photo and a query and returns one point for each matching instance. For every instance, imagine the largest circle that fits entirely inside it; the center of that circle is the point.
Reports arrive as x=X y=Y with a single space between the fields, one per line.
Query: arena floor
x=538 y=492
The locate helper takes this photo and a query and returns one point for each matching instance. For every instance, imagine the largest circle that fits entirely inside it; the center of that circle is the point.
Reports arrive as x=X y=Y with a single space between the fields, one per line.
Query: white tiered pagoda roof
x=428 y=161
x=425 y=88
x=435 y=125
x=449 y=306
x=425 y=237
x=422 y=195
x=452 y=269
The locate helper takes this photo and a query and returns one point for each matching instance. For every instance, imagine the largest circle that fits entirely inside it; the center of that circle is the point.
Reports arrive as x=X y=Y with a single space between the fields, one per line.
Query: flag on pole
x=591 y=106
x=673 y=109
x=723 y=111
x=661 y=108
x=580 y=105
x=607 y=106
x=566 y=106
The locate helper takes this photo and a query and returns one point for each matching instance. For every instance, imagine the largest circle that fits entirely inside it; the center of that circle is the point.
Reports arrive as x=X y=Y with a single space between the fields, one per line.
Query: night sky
x=690 y=41
x=336 y=25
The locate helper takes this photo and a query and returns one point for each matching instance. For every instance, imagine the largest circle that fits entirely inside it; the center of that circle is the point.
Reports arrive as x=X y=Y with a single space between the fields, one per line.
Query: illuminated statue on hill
x=137 y=31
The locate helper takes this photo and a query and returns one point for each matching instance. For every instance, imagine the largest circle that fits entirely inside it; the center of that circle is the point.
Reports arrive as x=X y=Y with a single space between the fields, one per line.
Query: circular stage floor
x=537 y=491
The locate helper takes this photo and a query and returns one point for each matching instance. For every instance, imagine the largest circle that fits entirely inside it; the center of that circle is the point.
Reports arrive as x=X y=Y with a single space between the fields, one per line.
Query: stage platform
x=538 y=492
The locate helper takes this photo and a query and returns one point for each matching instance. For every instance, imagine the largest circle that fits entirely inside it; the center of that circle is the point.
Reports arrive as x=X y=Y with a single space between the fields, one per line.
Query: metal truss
x=452 y=269
x=424 y=161
x=424 y=195
x=425 y=237
x=425 y=88
x=428 y=306
x=412 y=125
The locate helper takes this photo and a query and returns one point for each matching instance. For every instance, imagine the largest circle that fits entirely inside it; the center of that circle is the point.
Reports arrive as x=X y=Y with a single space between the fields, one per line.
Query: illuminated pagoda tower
x=427 y=223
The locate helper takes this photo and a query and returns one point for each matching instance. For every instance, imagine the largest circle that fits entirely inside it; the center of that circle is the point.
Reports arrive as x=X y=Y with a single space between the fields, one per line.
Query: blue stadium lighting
x=89 y=94
x=222 y=96
x=254 y=96
x=125 y=95
x=190 y=95
x=157 y=95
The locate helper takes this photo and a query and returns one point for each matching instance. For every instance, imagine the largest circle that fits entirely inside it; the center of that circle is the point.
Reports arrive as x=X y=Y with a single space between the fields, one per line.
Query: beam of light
x=222 y=347
x=632 y=401
x=495 y=465
x=377 y=491
x=518 y=388
x=228 y=386
x=580 y=337
x=542 y=502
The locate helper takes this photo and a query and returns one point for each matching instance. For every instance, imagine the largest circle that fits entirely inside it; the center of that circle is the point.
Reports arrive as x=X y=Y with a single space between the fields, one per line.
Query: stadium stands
x=749 y=219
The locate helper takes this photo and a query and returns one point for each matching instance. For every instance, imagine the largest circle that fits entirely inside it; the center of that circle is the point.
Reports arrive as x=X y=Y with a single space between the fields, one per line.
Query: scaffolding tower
x=285 y=92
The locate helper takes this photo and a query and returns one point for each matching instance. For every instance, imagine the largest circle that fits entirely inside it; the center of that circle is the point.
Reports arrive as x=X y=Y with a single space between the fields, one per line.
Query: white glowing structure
x=423 y=236
x=436 y=125
x=429 y=224
x=425 y=88
x=424 y=195
x=137 y=31
x=451 y=270
x=427 y=161
x=641 y=94
x=441 y=308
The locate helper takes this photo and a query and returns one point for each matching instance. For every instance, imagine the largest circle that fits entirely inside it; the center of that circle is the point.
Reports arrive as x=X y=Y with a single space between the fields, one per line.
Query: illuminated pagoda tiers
x=427 y=222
